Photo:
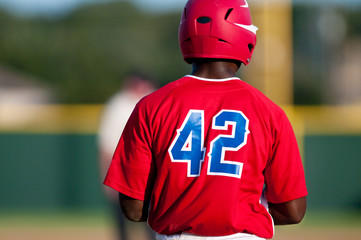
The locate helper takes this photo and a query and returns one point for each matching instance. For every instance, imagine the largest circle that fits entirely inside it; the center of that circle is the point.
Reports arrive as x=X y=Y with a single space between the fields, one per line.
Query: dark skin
x=291 y=212
x=133 y=209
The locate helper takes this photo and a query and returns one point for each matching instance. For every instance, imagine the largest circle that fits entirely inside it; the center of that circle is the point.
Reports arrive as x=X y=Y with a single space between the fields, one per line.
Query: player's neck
x=215 y=69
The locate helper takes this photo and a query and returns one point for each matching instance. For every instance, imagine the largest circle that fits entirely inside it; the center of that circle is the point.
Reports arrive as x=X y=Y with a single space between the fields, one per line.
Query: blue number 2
x=188 y=144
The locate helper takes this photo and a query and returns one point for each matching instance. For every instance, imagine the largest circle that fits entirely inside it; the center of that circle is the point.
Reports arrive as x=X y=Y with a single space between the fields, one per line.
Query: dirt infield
x=318 y=233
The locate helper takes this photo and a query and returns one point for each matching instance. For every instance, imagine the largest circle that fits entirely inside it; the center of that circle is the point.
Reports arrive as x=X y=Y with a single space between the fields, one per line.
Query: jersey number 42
x=188 y=145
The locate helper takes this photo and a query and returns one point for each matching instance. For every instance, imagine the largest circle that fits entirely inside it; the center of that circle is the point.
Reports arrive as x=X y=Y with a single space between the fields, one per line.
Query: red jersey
x=202 y=151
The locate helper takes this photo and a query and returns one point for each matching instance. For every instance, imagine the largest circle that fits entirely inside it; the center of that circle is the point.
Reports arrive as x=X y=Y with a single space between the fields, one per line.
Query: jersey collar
x=213 y=80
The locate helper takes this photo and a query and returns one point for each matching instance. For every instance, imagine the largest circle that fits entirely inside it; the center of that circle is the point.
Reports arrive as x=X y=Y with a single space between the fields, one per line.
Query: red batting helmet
x=217 y=29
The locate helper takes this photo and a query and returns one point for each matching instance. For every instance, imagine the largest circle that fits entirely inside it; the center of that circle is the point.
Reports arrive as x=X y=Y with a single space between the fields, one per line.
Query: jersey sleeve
x=284 y=174
x=130 y=170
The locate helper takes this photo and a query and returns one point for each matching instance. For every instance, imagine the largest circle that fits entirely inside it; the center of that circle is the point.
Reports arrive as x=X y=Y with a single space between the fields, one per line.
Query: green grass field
x=98 y=225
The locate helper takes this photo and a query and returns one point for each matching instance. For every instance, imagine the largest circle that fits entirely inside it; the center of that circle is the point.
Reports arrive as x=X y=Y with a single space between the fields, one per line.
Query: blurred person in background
x=113 y=120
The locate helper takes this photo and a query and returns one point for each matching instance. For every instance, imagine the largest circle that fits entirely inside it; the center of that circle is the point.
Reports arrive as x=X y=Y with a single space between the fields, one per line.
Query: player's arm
x=133 y=209
x=291 y=212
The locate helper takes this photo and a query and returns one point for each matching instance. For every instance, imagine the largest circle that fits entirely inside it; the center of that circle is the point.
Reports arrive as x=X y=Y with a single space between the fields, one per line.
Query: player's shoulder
x=271 y=112
x=262 y=101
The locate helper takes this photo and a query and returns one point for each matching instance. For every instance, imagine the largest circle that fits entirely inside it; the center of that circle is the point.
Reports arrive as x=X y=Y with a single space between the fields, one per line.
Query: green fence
x=61 y=171
x=333 y=172
x=49 y=171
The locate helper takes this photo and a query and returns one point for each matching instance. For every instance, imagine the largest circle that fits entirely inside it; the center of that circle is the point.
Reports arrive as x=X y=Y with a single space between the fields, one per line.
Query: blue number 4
x=188 y=143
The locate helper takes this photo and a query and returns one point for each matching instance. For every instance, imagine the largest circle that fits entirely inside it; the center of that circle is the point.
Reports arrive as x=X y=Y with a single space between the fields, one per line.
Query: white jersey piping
x=214 y=80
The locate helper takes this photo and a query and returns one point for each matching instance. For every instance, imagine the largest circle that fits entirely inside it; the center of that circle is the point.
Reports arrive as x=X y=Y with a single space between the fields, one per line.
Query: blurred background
x=62 y=60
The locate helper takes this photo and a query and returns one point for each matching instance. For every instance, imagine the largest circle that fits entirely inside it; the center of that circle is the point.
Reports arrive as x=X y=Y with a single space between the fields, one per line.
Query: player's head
x=218 y=29
x=138 y=83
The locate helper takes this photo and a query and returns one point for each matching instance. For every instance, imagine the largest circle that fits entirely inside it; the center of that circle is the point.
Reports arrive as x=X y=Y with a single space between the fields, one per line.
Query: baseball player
x=197 y=155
